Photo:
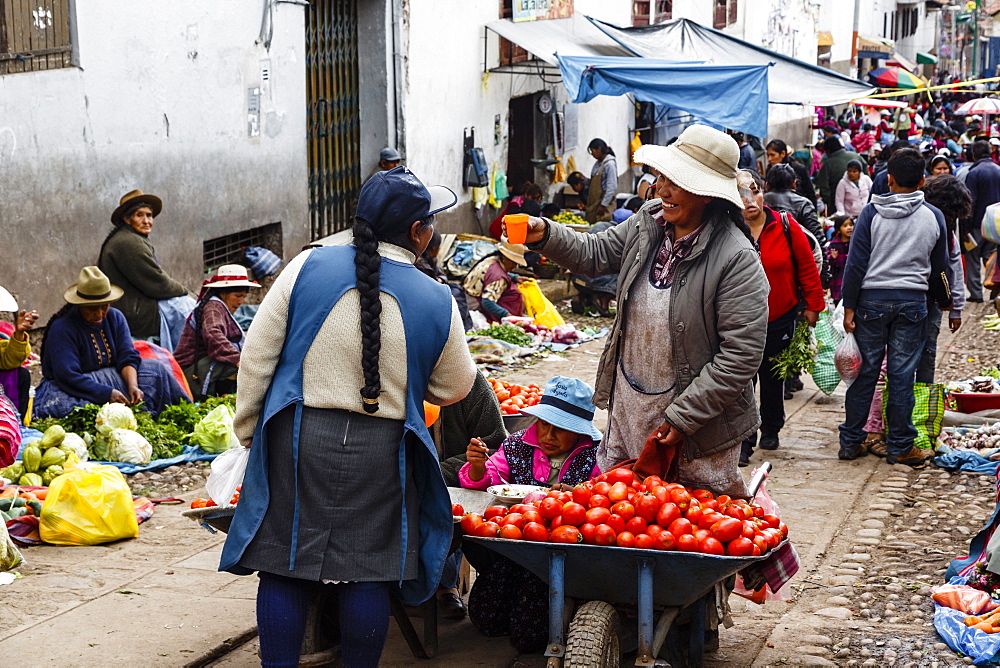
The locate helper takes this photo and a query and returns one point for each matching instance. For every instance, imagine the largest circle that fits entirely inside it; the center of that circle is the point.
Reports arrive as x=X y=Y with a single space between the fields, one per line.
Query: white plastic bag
x=837 y=319
x=227 y=474
x=848 y=359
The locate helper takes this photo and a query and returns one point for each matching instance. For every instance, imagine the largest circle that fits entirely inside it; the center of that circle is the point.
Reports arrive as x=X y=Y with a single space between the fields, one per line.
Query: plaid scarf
x=671 y=253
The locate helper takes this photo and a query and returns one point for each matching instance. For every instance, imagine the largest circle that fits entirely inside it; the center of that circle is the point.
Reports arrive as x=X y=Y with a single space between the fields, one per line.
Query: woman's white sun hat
x=7 y=301
x=231 y=276
x=702 y=161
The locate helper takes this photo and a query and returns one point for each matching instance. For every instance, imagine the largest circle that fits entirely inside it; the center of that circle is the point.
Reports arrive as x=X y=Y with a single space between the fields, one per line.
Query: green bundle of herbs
x=800 y=354
x=508 y=334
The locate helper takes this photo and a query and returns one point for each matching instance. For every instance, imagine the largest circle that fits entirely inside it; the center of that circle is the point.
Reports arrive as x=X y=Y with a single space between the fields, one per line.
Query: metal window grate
x=34 y=36
x=230 y=248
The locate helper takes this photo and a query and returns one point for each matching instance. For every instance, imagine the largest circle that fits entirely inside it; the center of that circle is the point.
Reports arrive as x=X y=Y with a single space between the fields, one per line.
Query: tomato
x=687 y=543
x=654 y=530
x=680 y=527
x=199 y=503
x=573 y=513
x=623 y=476
x=661 y=493
x=708 y=519
x=749 y=529
x=618 y=492
x=556 y=521
x=652 y=481
x=757 y=510
x=756 y=551
x=470 y=522
x=602 y=488
x=510 y=532
x=589 y=533
x=709 y=504
x=495 y=511
x=772 y=521
x=702 y=494
x=566 y=535
x=535 y=532
x=522 y=508
x=735 y=511
x=625 y=509
x=605 y=535
x=783 y=528
x=693 y=513
x=636 y=525
x=487 y=530
x=774 y=537
x=617 y=523
x=582 y=494
x=727 y=529
x=549 y=507
x=625 y=539
x=598 y=515
x=533 y=516
x=761 y=542
x=711 y=546
x=599 y=501
x=565 y=497
x=701 y=534
x=667 y=513
x=741 y=547
x=646 y=506
x=665 y=541
x=642 y=541
x=513 y=519
x=680 y=497
x=723 y=500
x=457 y=510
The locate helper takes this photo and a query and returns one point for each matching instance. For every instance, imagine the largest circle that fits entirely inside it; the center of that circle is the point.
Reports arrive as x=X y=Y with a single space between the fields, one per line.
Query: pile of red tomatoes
x=615 y=509
x=513 y=397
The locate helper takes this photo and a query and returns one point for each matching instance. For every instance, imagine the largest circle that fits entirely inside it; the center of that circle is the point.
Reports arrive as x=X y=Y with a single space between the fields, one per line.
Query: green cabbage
x=76 y=444
x=115 y=416
x=125 y=445
x=215 y=431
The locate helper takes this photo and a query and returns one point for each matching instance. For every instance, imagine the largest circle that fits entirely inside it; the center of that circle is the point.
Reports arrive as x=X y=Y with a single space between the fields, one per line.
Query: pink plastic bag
x=847 y=359
x=760 y=596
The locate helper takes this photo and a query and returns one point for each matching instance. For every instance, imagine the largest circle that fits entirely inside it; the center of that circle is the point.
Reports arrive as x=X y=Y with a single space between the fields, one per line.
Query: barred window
x=34 y=36
x=230 y=248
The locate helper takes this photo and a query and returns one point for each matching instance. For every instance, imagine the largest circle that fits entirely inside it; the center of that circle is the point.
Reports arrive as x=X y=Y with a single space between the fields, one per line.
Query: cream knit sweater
x=332 y=376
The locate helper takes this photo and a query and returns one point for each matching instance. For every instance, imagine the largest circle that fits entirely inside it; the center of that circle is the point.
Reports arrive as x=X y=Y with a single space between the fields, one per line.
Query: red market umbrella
x=894 y=77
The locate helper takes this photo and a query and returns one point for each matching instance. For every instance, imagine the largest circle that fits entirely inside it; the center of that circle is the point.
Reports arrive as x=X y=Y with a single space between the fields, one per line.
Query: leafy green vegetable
x=800 y=355
x=991 y=371
x=508 y=333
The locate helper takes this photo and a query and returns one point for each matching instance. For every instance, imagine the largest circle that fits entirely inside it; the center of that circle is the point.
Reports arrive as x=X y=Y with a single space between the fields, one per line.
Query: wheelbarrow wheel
x=592 y=640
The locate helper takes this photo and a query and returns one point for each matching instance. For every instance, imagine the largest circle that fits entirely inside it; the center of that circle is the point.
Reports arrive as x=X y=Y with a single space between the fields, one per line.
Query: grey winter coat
x=717 y=320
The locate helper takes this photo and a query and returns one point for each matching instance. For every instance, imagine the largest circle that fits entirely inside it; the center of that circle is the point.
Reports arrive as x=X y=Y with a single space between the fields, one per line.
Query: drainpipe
x=854 y=37
x=397 y=9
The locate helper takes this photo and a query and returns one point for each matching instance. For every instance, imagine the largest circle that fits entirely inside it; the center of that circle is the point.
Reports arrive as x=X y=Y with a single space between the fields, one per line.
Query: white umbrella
x=980 y=105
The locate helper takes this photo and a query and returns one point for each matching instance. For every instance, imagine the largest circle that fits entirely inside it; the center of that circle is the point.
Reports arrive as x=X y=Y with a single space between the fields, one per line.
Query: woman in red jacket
x=791 y=271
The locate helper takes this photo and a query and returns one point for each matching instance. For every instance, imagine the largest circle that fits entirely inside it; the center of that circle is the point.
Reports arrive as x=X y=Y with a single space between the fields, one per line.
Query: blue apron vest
x=426 y=308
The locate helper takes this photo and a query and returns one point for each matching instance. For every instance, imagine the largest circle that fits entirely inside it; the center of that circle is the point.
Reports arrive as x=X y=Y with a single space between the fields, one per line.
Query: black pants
x=772 y=388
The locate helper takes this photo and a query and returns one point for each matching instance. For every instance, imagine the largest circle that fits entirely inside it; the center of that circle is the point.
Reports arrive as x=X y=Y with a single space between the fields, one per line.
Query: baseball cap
x=397 y=197
x=389 y=154
x=995 y=141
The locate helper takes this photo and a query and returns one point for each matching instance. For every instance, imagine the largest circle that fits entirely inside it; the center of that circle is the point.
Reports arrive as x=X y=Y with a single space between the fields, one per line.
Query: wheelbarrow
x=592 y=589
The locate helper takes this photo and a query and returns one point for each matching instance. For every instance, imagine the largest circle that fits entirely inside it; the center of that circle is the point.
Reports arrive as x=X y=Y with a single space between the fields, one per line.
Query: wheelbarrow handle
x=759 y=476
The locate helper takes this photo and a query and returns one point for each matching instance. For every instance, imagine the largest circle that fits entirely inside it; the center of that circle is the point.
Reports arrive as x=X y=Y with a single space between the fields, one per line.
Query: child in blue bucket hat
x=561 y=447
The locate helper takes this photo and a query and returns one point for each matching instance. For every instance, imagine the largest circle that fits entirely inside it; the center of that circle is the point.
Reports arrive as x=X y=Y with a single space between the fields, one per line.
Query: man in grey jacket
x=899 y=254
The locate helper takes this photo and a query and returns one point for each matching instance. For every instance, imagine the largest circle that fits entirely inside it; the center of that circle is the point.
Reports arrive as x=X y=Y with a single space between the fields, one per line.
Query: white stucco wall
x=159 y=103
x=446 y=91
x=837 y=18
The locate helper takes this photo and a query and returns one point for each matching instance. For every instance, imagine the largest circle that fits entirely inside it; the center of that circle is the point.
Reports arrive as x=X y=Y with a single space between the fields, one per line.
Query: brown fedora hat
x=132 y=198
x=92 y=287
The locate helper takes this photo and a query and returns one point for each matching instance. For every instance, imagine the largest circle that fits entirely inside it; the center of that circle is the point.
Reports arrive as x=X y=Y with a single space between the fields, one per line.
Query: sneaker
x=768 y=442
x=915 y=458
x=847 y=454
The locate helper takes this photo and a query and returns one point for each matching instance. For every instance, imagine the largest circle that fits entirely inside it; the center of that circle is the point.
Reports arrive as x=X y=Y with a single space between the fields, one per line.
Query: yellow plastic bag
x=538 y=306
x=634 y=146
x=88 y=506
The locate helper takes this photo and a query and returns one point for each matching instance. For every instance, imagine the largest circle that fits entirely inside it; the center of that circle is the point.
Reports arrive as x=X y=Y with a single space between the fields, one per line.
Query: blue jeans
x=901 y=326
x=928 y=358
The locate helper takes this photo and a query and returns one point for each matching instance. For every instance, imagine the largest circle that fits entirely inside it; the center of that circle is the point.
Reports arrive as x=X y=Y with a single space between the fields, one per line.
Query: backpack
x=822 y=263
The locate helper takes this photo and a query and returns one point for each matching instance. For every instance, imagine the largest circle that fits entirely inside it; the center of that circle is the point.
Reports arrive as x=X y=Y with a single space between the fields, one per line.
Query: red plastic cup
x=517 y=227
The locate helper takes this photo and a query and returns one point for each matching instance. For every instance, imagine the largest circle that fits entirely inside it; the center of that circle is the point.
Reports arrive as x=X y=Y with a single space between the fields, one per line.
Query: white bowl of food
x=513 y=493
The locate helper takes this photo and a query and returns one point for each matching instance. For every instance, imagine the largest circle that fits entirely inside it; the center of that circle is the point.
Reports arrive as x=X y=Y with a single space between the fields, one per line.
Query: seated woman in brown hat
x=209 y=351
x=490 y=282
x=128 y=260
x=88 y=356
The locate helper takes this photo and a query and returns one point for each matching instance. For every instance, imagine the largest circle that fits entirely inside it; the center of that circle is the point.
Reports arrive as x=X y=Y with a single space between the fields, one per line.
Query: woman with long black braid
x=342 y=484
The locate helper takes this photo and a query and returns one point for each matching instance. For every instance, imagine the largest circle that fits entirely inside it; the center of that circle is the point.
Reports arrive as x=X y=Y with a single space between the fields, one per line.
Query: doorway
x=521 y=142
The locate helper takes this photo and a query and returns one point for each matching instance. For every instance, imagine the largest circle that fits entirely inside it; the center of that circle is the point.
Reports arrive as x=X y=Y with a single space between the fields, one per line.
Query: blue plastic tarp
x=982 y=647
x=731 y=96
x=191 y=453
x=966 y=461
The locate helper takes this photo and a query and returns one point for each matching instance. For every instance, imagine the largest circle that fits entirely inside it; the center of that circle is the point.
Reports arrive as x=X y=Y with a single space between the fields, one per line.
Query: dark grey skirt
x=350 y=512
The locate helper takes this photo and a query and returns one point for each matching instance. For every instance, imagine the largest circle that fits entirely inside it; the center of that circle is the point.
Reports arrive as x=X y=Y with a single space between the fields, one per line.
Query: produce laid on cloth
x=513 y=397
x=985 y=437
x=43 y=460
x=519 y=337
x=119 y=433
x=614 y=510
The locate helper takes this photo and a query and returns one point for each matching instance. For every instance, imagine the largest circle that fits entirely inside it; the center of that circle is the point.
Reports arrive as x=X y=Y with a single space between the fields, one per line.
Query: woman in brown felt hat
x=88 y=356
x=128 y=259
